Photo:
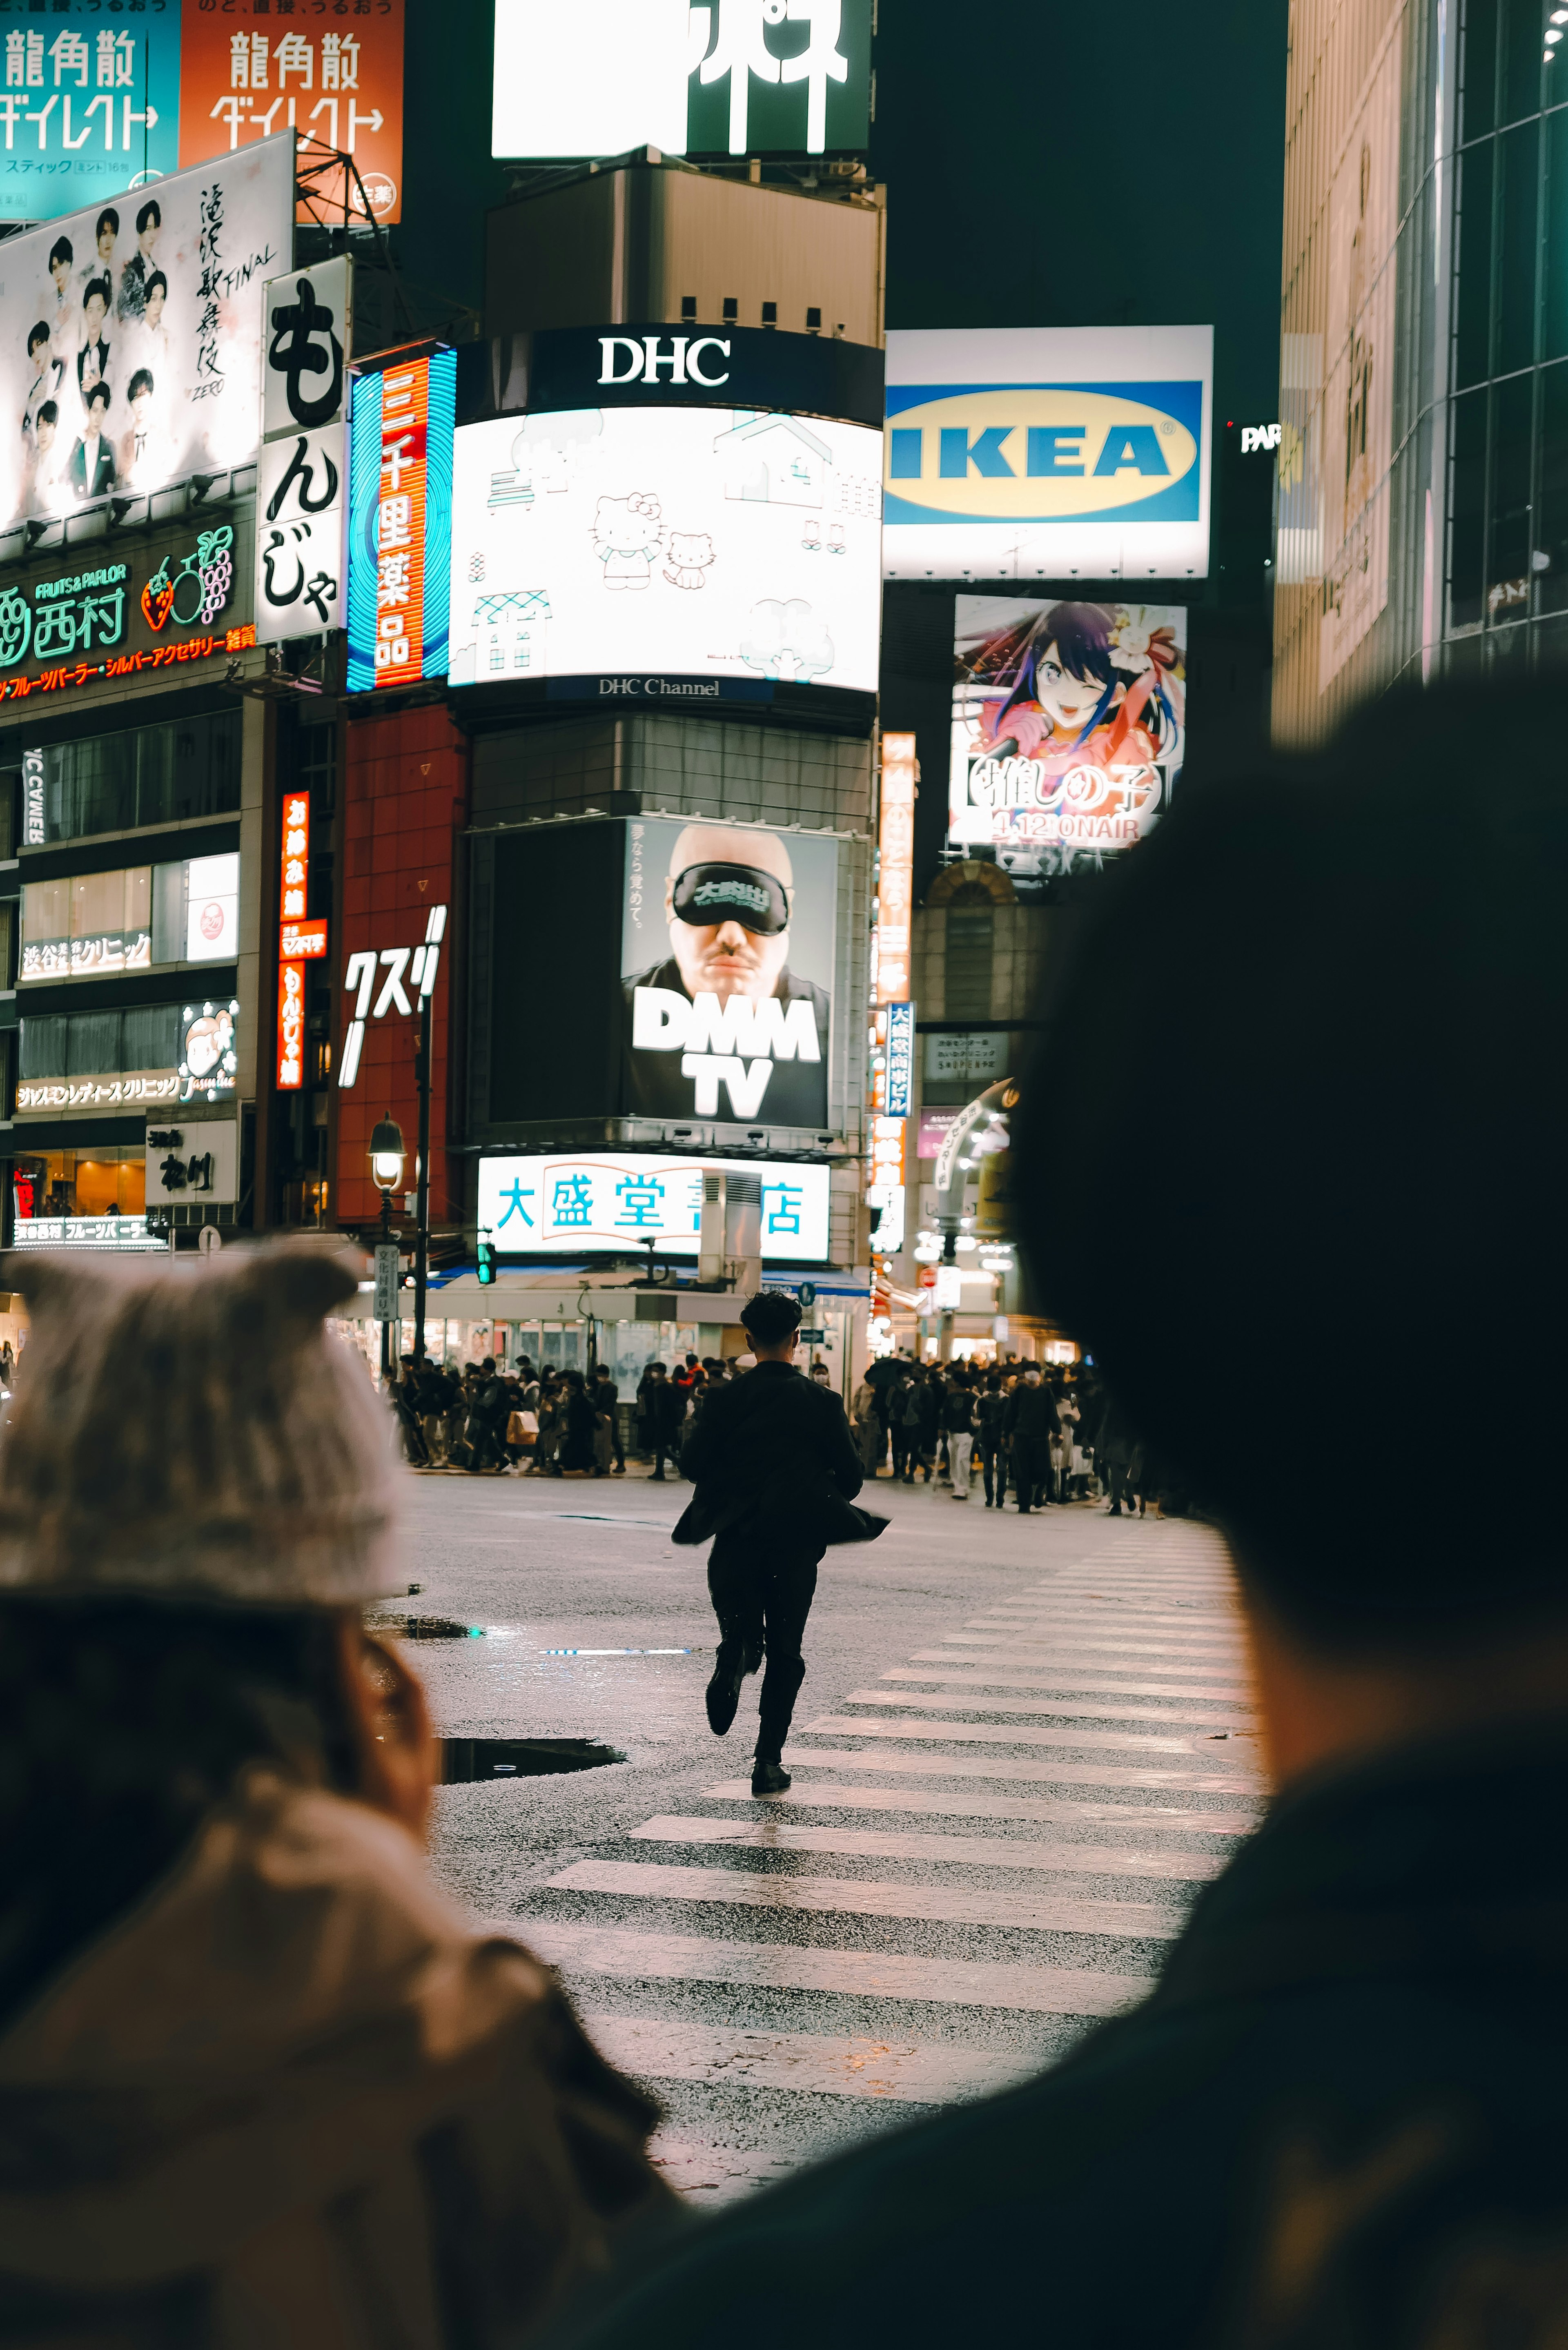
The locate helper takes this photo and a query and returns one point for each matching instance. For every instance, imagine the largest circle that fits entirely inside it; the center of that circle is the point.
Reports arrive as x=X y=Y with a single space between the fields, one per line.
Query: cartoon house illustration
x=513 y=630
x=775 y=460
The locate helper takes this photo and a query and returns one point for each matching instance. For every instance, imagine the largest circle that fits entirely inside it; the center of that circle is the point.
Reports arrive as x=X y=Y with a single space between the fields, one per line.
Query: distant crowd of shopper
x=555 y=1422
x=1049 y=1434
x=1043 y=1434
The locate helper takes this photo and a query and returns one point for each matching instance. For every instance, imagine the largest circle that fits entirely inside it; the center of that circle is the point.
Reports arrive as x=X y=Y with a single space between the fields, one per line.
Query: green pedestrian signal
x=486 y=1262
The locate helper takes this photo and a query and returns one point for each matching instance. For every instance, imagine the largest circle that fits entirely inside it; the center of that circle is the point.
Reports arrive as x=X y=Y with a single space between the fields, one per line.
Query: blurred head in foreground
x=217 y=1932
x=1303 y=1066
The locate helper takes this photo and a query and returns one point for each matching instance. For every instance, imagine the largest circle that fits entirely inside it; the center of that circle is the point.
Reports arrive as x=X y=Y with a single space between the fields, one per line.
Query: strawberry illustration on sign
x=156 y=596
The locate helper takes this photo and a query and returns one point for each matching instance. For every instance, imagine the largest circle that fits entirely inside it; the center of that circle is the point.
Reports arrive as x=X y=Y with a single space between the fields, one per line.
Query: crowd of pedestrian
x=549 y=1421
x=1048 y=1434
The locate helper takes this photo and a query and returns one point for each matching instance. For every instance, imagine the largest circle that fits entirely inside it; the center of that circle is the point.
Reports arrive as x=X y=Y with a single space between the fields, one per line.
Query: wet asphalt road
x=1020 y=1747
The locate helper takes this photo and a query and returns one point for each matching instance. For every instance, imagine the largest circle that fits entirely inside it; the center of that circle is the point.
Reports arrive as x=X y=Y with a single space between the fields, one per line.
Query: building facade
x=1424 y=350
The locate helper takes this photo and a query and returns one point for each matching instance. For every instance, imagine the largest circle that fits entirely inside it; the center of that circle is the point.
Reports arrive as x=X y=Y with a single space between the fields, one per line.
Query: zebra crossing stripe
x=637 y=1957
x=1073 y=1708
x=1135 y=1819
x=1020 y=1734
x=970 y=1852
x=656 y=1880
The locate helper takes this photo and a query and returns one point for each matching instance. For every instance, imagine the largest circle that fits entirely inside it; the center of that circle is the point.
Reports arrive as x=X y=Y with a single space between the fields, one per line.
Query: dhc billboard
x=1048 y=453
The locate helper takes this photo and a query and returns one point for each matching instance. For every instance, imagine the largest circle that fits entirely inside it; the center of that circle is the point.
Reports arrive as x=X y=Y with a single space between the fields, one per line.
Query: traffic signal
x=486 y=1262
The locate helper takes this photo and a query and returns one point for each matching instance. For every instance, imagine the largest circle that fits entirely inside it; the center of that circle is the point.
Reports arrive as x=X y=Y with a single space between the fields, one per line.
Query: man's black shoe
x=723 y=1695
x=768 y=1778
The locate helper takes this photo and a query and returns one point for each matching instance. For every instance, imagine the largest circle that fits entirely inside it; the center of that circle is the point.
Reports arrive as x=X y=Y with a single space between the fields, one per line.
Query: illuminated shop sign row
x=400 y=520
x=89 y=608
x=85 y=1231
x=563 y=1204
x=60 y=681
x=130 y=919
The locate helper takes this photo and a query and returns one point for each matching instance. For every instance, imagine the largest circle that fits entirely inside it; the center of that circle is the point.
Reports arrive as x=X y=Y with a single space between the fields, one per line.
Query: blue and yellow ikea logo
x=1039 y=453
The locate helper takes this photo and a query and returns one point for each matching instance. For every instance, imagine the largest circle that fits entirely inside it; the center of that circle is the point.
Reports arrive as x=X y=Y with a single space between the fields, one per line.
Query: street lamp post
x=387 y=1172
x=422 y=1201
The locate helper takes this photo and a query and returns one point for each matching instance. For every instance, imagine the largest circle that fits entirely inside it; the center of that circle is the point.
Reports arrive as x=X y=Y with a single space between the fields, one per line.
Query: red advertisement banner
x=256 y=67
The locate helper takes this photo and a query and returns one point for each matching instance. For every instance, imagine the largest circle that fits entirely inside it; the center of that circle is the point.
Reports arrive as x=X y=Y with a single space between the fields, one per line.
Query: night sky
x=1088 y=166
x=1075 y=166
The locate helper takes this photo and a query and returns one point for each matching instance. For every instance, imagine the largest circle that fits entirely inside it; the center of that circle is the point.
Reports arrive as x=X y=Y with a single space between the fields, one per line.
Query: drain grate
x=467 y=1759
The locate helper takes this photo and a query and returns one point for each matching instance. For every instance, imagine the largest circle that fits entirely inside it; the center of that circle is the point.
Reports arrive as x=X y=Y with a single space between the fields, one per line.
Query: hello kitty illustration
x=626 y=538
x=690 y=551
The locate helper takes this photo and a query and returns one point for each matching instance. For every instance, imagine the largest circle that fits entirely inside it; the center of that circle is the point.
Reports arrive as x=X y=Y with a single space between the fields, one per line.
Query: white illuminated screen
x=212 y=909
x=594 y=77
x=698 y=542
x=578 y=1204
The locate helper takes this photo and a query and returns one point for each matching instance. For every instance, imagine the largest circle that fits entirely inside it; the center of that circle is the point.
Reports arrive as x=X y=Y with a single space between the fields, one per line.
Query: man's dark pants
x=762 y=1591
x=1030 y=1470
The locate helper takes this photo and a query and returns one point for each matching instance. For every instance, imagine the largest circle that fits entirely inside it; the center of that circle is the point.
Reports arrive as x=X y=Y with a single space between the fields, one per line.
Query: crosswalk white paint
x=890 y=1844
x=637 y=1955
x=1046 y=1627
x=1135 y=1819
x=969 y=1787
x=1020 y=1734
x=1149 y=1778
x=657 y=1880
x=906 y=2072
x=1070 y=1709
x=1065 y=1684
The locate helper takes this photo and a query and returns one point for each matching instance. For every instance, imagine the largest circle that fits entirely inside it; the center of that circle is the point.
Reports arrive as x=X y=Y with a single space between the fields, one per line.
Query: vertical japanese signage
x=243 y=74
x=301 y=480
x=399 y=526
x=88 y=109
x=896 y=875
x=893 y=1013
x=291 y=969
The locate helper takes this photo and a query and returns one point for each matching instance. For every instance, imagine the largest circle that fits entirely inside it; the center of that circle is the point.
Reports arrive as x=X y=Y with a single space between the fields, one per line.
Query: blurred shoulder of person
x=1292 y=1018
x=289 y=2092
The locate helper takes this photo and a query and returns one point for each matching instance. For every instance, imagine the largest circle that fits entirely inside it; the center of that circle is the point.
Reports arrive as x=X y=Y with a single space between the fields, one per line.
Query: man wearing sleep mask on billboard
x=722 y=1028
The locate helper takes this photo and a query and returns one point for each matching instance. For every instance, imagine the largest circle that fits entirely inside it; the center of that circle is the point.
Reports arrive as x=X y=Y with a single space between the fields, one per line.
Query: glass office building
x=1423 y=478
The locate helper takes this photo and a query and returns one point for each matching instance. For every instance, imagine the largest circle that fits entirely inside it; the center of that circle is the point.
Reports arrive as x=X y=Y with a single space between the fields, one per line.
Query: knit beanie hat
x=189 y=1430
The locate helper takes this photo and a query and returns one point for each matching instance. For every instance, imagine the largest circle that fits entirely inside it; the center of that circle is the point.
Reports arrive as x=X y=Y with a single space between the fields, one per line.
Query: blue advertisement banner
x=89 y=103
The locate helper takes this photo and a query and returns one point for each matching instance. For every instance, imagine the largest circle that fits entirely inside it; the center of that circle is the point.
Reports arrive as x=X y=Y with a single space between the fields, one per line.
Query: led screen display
x=1068 y=730
x=702 y=543
x=727 y=972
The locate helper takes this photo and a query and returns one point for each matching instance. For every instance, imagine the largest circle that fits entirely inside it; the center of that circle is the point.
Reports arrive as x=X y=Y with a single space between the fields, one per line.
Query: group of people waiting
x=551 y=1422
x=1051 y=1435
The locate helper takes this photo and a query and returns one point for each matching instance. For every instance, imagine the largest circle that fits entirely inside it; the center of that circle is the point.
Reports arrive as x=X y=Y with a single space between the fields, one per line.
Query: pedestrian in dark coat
x=776 y=1470
x=664 y=1411
x=1030 y=1424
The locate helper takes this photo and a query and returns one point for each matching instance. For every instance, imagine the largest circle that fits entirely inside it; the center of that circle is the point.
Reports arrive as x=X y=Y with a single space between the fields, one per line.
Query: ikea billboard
x=1049 y=453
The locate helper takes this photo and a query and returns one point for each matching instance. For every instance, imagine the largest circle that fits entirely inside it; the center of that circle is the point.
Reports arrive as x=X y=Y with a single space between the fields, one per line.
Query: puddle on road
x=464 y=1760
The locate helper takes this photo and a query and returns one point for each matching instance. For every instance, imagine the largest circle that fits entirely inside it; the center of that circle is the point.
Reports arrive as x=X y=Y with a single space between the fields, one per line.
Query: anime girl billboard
x=1069 y=730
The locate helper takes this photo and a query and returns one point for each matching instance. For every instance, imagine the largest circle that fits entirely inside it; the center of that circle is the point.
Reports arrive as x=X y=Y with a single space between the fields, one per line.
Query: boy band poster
x=130 y=335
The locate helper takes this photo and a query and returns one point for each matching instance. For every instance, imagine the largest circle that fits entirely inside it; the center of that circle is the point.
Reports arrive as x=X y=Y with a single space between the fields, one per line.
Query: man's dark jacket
x=1032 y=1414
x=1336 y=2123
x=774 y=1450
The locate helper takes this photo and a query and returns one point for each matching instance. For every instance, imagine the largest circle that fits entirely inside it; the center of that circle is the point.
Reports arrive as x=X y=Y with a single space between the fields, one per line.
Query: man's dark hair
x=1302 y=1049
x=99 y=391
x=108 y=218
x=101 y=287
x=36 y=334
x=770 y=1316
x=60 y=250
x=150 y=213
x=48 y=413
x=140 y=381
x=156 y=284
